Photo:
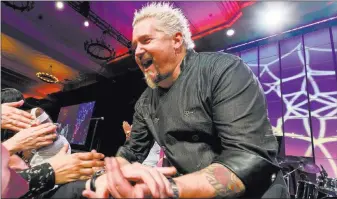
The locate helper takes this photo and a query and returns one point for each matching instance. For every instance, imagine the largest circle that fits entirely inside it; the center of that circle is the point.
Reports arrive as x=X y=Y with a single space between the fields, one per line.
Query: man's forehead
x=145 y=25
x=143 y=29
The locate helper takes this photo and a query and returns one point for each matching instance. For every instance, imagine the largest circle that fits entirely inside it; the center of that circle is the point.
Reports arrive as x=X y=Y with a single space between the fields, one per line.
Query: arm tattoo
x=225 y=182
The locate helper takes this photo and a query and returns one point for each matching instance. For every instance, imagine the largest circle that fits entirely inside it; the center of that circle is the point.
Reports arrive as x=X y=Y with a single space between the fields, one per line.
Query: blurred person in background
x=28 y=134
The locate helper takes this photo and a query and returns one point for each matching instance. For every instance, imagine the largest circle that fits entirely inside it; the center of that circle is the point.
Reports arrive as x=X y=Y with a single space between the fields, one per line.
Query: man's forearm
x=214 y=180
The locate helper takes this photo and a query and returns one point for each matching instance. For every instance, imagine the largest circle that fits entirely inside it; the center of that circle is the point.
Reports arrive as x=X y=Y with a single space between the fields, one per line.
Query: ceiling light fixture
x=47 y=77
x=99 y=49
x=20 y=5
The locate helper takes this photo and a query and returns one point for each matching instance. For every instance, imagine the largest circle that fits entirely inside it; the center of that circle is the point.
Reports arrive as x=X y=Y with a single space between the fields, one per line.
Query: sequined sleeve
x=41 y=178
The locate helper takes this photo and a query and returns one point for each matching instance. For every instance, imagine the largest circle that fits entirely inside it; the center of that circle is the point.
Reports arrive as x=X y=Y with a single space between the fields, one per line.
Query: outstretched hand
x=15 y=119
x=132 y=181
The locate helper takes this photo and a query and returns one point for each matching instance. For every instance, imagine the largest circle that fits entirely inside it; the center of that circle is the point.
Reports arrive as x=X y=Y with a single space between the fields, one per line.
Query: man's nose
x=139 y=52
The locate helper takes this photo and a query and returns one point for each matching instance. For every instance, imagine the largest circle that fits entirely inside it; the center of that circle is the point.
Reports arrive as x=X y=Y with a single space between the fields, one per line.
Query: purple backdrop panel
x=319 y=55
x=277 y=126
x=327 y=84
x=298 y=146
x=269 y=50
x=292 y=59
x=322 y=70
x=325 y=136
x=249 y=55
x=250 y=58
x=329 y=165
x=317 y=38
x=323 y=97
x=254 y=68
x=291 y=44
x=275 y=109
x=272 y=92
x=293 y=74
x=297 y=137
x=334 y=34
x=297 y=127
x=270 y=70
x=295 y=83
x=270 y=60
x=295 y=105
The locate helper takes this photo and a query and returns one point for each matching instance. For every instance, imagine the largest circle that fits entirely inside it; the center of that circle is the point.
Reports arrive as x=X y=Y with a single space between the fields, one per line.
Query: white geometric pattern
x=294 y=107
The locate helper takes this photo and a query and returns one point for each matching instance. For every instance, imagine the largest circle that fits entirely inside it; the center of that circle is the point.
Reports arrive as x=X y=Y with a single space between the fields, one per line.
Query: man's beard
x=154 y=83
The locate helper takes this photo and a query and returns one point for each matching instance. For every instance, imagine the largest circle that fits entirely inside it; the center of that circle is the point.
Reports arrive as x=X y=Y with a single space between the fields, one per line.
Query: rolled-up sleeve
x=240 y=119
x=141 y=140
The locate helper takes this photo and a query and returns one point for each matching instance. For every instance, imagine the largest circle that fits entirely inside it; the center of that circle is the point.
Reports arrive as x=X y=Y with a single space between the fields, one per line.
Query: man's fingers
x=117 y=185
x=141 y=191
x=14 y=104
x=159 y=182
x=90 y=156
x=91 y=163
x=146 y=177
x=167 y=171
x=98 y=156
x=168 y=188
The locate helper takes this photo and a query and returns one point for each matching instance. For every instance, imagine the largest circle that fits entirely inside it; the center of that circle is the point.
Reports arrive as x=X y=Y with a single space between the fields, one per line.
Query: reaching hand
x=148 y=181
x=127 y=129
x=31 y=138
x=77 y=166
x=15 y=119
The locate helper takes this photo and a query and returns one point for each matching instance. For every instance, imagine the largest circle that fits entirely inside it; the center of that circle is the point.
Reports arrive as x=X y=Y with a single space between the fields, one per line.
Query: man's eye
x=147 y=40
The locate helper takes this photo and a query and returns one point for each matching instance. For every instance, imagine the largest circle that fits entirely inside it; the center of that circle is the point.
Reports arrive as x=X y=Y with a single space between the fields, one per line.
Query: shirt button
x=195 y=137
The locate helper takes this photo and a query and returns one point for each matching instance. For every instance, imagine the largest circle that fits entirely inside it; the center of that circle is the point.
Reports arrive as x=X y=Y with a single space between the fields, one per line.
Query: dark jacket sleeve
x=41 y=178
x=141 y=140
x=240 y=119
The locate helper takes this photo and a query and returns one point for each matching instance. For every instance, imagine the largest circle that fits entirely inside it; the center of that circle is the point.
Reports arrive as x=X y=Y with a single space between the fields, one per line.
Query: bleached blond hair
x=171 y=20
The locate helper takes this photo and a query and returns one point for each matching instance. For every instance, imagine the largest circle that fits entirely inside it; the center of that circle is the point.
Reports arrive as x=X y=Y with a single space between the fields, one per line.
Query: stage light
x=59 y=5
x=86 y=24
x=230 y=32
x=273 y=17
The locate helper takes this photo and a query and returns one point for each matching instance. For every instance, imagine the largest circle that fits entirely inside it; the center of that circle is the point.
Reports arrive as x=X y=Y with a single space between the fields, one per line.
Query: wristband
x=93 y=179
x=174 y=188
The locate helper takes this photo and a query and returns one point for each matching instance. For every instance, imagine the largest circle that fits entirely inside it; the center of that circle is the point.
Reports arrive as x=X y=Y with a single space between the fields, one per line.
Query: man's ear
x=178 y=40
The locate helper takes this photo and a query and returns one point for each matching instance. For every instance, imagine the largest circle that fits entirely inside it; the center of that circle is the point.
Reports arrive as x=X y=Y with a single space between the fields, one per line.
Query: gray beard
x=161 y=77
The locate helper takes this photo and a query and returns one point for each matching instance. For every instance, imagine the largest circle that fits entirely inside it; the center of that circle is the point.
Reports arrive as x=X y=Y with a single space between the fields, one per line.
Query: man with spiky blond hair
x=206 y=110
